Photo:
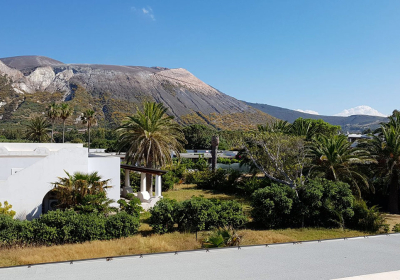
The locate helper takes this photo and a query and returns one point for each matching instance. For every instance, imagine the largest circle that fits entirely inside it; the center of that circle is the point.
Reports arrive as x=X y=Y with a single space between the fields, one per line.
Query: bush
x=222 y=237
x=122 y=225
x=163 y=215
x=366 y=219
x=6 y=209
x=196 y=214
x=272 y=206
x=220 y=180
x=169 y=180
x=133 y=207
x=60 y=227
x=325 y=203
x=396 y=228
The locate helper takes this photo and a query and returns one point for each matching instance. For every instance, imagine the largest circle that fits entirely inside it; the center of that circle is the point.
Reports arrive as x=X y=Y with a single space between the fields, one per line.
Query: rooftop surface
x=330 y=259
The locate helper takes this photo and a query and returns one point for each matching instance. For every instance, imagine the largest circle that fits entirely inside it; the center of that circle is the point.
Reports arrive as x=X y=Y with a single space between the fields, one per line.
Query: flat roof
x=143 y=169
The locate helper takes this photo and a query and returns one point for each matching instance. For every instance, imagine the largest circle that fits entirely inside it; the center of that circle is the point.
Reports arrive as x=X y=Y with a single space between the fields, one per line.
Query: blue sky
x=321 y=55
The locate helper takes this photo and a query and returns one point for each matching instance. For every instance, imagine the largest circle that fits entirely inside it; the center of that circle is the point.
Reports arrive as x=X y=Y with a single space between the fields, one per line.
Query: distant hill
x=355 y=123
x=114 y=91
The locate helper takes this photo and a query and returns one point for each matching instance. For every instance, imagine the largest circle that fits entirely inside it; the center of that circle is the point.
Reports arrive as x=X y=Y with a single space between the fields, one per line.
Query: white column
x=158 y=185
x=127 y=179
x=142 y=182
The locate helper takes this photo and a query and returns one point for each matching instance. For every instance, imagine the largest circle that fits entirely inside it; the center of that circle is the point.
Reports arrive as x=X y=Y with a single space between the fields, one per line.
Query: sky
x=323 y=56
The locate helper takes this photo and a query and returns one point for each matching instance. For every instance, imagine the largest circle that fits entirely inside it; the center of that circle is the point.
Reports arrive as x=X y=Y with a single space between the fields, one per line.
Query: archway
x=49 y=202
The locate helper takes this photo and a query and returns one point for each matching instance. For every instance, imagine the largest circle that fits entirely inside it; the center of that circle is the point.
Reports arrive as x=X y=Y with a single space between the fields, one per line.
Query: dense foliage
x=195 y=214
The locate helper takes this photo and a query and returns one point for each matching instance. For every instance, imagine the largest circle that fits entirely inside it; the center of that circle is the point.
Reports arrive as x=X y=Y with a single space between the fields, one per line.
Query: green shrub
x=396 y=228
x=222 y=237
x=325 y=203
x=163 y=215
x=272 y=206
x=366 y=219
x=169 y=180
x=60 y=227
x=121 y=225
x=196 y=214
x=133 y=207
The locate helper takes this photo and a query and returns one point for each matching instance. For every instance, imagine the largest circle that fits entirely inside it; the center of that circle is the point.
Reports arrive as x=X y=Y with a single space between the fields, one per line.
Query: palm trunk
x=394 y=193
x=88 y=138
x=63 y=130
x=149 y=177
x=52 y=130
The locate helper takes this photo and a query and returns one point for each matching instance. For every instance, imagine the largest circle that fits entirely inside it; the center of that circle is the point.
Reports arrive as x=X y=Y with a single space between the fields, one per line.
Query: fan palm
x=335 y=159
x=71 y=190
x=386 y=149
x=150 y=136
x=65 y=112
x=89 y=118
x=37 y=129
x=53 y=113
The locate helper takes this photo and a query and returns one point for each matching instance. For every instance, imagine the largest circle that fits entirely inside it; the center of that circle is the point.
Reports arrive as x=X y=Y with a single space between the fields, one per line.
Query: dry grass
x=153 y=243
x=392 y=219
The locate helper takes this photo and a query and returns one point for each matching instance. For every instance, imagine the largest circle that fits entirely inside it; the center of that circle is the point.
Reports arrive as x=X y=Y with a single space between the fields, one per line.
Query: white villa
x=27 y=171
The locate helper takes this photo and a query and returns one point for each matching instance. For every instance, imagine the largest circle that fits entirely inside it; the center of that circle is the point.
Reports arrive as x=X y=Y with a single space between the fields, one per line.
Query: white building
x=27 y=171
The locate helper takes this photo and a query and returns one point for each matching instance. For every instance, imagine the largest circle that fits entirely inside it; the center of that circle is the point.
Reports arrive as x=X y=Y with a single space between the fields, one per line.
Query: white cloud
x=308 y=111
x=360 y=110
x=148 y=12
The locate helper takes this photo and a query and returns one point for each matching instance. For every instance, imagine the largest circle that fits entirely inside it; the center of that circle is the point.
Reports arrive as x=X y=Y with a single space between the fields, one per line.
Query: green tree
x=198 y=136
x=334 y=159
x=89 y=118
x=53 y=113
x=37 y=129
x=385 y=148
x=65 y=111
x=150 y=136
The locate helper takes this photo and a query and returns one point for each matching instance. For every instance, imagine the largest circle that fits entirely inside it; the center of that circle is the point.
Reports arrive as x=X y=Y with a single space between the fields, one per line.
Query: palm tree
x=149 y=137
x=71 y=190
x=37 y=129
x=53 y=113
x=334 y=159
x=385 y=147
x=65 y=112
x=88 y=117
x=277 y=126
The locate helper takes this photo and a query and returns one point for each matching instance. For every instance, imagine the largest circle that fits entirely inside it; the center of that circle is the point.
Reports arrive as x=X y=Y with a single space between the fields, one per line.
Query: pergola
x=143 y=195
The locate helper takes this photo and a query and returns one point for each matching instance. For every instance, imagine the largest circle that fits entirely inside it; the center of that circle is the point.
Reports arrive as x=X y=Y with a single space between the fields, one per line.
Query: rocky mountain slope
x=114 y=92
x=355 y=123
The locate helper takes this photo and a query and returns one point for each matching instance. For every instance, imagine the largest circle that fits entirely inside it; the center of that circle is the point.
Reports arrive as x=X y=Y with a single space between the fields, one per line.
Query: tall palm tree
x=88 y=117
x=385 y=147
x=37 y=129
x=150 y=136
x=334 y=159
x=65 y=112
x=53 y=113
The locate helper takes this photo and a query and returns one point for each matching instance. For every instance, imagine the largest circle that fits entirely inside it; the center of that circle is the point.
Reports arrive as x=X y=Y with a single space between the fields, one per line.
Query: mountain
x=355 y=123
x=113 y=91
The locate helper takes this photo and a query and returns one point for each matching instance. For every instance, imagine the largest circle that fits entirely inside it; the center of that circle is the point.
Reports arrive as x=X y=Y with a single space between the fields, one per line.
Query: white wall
x=108 y=167
x=26 y=189
x=7 y=163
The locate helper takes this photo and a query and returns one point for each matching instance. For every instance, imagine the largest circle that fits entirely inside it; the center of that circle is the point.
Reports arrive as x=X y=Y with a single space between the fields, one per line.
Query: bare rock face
x=179 y=90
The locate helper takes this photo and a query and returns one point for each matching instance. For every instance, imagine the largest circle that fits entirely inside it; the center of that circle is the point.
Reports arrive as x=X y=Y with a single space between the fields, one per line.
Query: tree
x=88 y=117
x=385 y=148
x=198 y=136
x=150 y=137
x=53 y=113
x=37 y=129
x=65 y=111
x=334 y=159
x=74 y=191
x=280 y=157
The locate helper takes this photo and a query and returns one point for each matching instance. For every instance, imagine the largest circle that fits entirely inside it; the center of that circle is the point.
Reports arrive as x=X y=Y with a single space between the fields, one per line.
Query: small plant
x=6 y=209
x=222 y=237
x=396 y=228
x=133 y=207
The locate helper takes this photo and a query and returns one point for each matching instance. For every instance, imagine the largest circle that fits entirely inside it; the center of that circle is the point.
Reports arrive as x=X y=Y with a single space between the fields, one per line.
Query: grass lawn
x=148 y=242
